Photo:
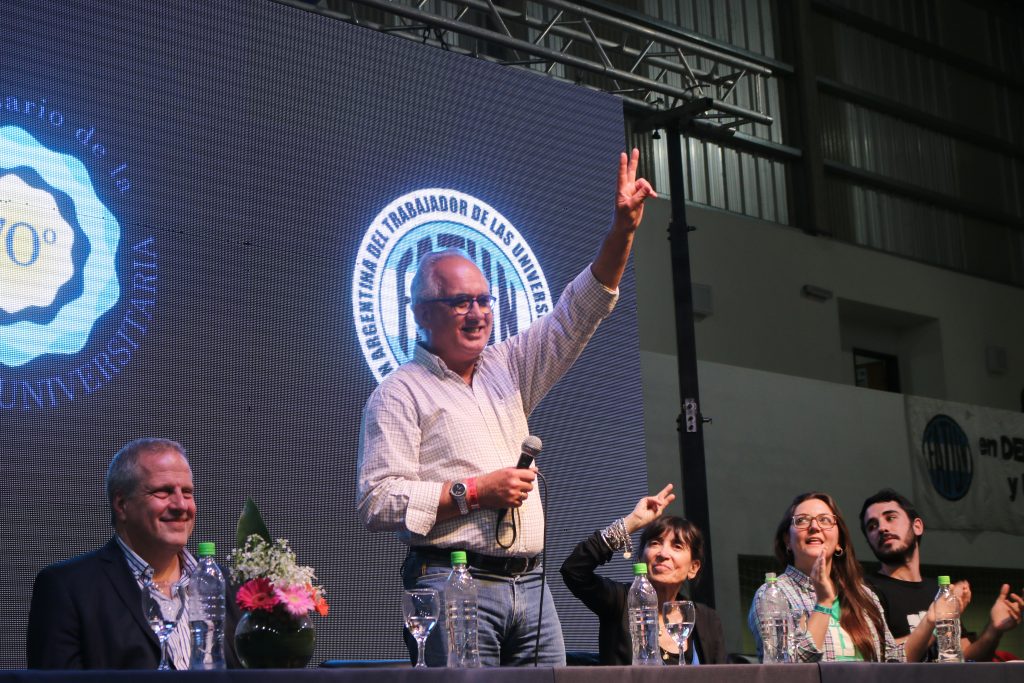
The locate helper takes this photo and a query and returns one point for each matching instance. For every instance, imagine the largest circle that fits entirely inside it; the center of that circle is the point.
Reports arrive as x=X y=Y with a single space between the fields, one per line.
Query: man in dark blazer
x=86 y=612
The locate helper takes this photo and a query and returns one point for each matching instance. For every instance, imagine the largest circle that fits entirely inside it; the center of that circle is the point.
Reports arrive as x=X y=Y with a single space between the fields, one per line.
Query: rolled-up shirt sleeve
x=540 y=355
x=424 y=425
x=391 y=496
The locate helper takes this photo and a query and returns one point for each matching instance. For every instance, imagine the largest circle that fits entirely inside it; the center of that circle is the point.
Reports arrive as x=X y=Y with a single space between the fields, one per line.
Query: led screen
x=209 y=216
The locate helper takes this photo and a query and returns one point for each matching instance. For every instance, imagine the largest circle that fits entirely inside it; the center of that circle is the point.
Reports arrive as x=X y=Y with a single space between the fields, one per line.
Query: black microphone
x=528 y=451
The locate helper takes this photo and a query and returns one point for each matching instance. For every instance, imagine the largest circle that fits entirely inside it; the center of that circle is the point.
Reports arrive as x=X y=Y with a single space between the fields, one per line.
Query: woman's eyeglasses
x=804 y=521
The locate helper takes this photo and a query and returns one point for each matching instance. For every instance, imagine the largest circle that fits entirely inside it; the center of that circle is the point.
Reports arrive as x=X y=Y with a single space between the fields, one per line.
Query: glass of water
x=797 y=630
x=162 y=624
x=421 y=608
x=679 y=616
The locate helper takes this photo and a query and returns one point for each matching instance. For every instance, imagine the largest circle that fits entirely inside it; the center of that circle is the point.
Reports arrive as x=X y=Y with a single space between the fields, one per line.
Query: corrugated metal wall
x=976 y=175
x=976 y=226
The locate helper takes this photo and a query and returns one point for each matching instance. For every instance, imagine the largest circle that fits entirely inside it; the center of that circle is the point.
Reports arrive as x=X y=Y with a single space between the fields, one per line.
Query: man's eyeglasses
x=804 y=521
x=460 y=305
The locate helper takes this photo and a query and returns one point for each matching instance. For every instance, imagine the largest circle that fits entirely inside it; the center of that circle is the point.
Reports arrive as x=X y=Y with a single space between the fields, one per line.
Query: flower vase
x=274 y=640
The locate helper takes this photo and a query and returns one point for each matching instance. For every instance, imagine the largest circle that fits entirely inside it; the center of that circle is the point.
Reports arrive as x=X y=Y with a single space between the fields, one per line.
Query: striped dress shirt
x=424 y=425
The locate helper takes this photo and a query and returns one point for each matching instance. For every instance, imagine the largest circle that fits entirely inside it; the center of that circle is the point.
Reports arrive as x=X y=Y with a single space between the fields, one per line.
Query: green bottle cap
x=943 y=580
x=458 y=557
x=206 y=549
x=639 y=568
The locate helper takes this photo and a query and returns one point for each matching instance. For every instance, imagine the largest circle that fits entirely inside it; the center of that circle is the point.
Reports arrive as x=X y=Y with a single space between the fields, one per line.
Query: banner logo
x=60 y=250
x=52 y=293
x=947 y=454
x=428 y=220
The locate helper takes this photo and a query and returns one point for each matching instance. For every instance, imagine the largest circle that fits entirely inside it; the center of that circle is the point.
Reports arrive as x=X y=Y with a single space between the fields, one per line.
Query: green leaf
x=250 y=522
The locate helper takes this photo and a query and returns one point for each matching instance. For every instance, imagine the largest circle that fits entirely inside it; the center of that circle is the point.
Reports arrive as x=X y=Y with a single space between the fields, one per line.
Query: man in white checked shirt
x=87 y=612
x=441 y=436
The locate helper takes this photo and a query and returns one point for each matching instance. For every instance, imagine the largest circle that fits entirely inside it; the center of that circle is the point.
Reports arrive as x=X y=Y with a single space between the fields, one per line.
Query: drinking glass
x=797 y=630
x=161 y=625
x=421 y=607
x=679 y=616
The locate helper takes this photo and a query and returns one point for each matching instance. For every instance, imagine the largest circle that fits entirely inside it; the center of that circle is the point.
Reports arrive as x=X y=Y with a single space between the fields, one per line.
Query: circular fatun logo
x=947 y=454
x=415 y=225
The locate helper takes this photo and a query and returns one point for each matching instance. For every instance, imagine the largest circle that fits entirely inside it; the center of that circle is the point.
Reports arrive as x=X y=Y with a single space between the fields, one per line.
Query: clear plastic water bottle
x=642 y=605
x=947 y=623
x=206 y=590
x=460 y=601
x=773 y=613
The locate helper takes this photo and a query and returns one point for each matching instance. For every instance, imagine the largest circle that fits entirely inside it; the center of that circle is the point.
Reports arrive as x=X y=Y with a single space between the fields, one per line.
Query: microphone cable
x=543 y=567
x=531 y=448
x=512 y=522
x=543 y=556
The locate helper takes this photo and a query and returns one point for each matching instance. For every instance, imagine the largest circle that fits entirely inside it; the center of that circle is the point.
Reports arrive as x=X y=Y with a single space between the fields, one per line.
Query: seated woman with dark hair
x=673 y=549
x=845 y=620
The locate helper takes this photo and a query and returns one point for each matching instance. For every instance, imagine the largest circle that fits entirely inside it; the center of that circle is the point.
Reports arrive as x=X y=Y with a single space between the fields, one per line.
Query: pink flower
x=296 y=600
x=257 y=594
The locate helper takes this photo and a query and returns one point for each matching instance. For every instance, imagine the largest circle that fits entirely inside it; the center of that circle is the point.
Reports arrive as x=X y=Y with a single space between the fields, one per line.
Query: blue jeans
x=508 y=607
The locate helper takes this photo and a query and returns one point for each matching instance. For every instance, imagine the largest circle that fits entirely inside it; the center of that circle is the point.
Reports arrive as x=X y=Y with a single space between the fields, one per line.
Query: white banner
x=967 y=464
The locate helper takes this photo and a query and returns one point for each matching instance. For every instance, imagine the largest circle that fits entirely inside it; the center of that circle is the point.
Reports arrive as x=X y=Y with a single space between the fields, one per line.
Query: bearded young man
x=894 y=530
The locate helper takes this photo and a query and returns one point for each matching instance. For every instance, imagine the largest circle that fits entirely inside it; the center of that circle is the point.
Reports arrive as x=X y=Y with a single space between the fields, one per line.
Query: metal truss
x=673 y=78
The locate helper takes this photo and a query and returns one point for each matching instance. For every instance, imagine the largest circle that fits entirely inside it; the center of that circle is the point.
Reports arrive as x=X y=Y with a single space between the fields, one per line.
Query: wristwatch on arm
x=458 y=494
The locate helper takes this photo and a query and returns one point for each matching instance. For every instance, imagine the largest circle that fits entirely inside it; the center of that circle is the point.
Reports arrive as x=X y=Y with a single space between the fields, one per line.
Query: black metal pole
x=691 y=428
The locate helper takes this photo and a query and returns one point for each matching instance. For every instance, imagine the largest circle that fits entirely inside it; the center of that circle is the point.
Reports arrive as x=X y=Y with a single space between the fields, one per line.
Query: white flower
x=276 y=562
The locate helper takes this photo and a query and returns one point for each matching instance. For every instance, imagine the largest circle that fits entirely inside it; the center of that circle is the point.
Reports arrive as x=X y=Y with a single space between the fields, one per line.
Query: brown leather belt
x=506 y=566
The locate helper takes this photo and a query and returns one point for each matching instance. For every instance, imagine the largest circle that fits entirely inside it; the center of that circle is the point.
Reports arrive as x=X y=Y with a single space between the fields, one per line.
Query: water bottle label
x=206 y=610
x=775 y=638
x=463 y=645
x=643 y=630
x=947 y=638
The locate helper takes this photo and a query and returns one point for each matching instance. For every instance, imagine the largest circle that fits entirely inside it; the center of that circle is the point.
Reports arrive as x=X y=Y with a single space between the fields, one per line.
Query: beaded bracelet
x=617 y=538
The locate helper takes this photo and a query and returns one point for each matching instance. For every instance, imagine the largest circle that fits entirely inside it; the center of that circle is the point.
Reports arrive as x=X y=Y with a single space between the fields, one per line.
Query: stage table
x=735 y=673
x=975 y=672
x=726 y=673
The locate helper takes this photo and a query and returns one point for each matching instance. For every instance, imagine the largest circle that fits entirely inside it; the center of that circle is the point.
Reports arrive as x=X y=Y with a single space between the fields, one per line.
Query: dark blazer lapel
x=115 y=566
x=700 y=626
x=710 y=646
